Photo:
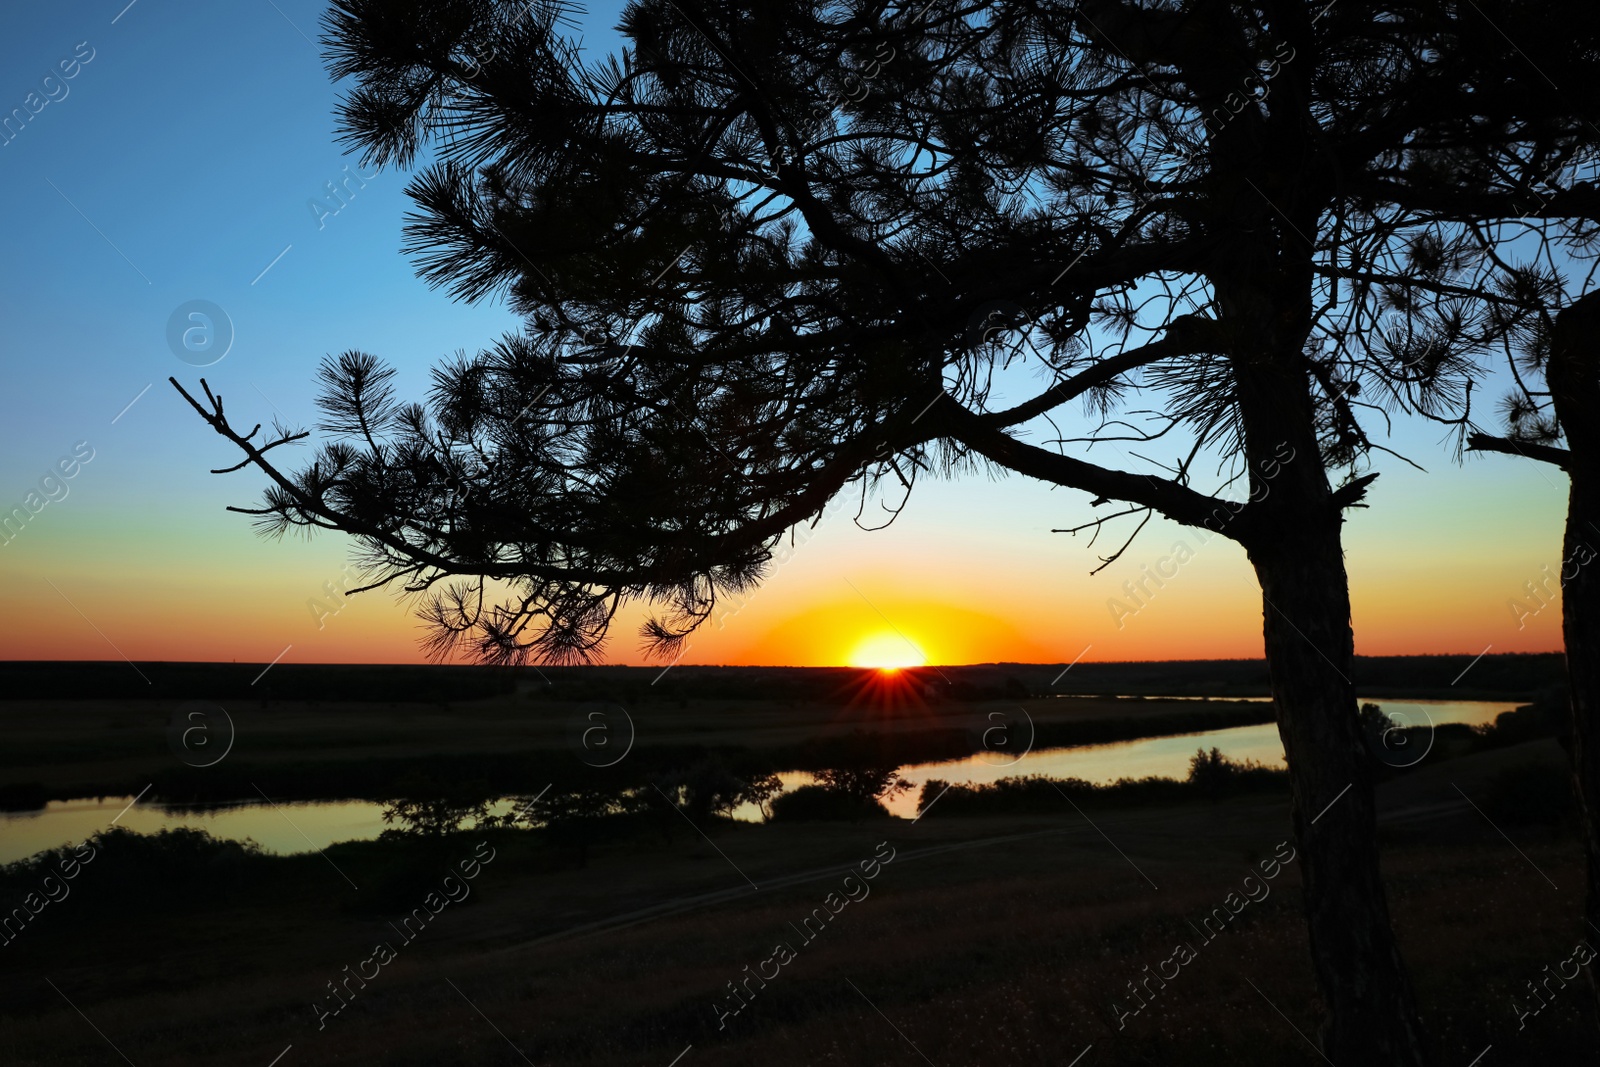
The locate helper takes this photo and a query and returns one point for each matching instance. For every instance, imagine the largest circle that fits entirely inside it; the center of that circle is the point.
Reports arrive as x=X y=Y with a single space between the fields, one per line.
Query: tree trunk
x=1580 y=629
x=1292 y=534
x=1371 y=1014
x=1573 y=375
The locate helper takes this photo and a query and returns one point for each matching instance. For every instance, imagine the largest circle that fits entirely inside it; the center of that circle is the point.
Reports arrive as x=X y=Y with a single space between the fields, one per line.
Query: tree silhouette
x=710 y=789
x=1510 y=187
x=575 y=817
x=864 y=783
x=776 y=253
x=431 y=809
x=1558 y=426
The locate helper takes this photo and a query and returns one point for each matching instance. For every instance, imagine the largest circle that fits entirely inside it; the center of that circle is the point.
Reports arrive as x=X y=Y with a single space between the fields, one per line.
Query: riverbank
x=994 y=940
x=311 y=750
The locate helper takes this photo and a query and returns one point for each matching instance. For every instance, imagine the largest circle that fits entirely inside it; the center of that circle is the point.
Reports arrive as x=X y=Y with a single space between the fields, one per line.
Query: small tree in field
x=429 y=809
x=761 y=790
x=573 y=818
x=864 y=784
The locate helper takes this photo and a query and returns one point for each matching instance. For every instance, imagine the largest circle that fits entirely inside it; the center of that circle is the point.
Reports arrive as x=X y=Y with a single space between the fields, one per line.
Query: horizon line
x=4 y=661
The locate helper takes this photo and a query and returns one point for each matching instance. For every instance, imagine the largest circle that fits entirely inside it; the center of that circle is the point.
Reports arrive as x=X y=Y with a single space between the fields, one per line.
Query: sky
x=175 y=167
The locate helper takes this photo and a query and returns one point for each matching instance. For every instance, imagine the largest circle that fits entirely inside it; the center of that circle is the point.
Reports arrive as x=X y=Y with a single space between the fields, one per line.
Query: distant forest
x=1509 y=676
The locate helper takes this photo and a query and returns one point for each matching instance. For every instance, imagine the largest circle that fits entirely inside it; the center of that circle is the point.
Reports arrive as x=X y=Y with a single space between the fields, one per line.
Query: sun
x=887 y=651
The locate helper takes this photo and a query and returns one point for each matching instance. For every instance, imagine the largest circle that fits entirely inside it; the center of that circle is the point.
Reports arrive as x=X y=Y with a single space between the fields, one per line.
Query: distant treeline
x=506 y=773
x=1514 y=675
x=514 y=773
x=345 y=683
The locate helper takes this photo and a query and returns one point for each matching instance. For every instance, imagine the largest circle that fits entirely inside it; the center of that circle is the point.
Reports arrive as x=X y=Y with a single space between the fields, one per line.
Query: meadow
x=987 y=940
x=1028 y=922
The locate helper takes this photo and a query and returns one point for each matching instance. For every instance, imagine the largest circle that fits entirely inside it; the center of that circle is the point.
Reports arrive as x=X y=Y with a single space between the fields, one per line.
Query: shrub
x=401 y=876
x=760 y=790
x=818 y=802
x=864 y=782
x=1526 y=723
x=1530 y=793
x=1039 y=795
x=1213 y=775
x=177 y=869
x=427 y=808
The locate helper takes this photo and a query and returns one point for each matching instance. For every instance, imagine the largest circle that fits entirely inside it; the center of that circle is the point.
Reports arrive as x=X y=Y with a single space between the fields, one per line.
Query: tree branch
x=1172 y=499
x=1482 y=442
x=1179 y=340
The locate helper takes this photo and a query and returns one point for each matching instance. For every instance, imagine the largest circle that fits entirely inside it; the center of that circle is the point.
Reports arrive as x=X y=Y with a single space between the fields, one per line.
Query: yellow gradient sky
x=969 y=573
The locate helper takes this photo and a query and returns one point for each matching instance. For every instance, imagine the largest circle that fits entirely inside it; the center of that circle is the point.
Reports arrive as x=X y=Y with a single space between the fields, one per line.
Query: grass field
x=984 y=941
x=1044 y=935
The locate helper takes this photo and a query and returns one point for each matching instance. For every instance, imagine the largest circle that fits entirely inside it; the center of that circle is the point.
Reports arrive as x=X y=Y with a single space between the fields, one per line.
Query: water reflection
x=283 y=829
x=302 y=826
x=1165 y=757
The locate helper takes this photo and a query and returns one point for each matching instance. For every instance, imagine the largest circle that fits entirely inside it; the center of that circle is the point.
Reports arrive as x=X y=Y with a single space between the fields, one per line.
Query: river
x=303 y=826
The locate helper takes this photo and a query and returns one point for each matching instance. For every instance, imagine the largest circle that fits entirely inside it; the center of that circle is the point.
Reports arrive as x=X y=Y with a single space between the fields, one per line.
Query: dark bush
x=1213 y=775
x=425 y=807
x=1531 y=794
x=710 y=789
x=409 y=872
x=1039 y=795
x=178 y=869
x=864 y=782
x=817 y=802
x=1546 y=718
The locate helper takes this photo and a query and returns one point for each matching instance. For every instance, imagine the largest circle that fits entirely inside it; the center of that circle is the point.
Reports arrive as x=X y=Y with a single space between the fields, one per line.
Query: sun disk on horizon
x=887 y=652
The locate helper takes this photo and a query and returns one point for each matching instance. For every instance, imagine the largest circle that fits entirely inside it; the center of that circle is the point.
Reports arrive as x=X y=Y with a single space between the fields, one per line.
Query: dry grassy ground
x=985 y=941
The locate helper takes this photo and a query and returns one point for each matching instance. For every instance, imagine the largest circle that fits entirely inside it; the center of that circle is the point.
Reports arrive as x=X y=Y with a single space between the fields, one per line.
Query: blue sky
x=178 y=164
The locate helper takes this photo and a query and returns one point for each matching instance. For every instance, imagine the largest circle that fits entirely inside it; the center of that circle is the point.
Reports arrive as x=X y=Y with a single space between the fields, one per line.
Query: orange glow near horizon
x=888 y=652
x=892 y=630
x=151 y=620
x=219 y=595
